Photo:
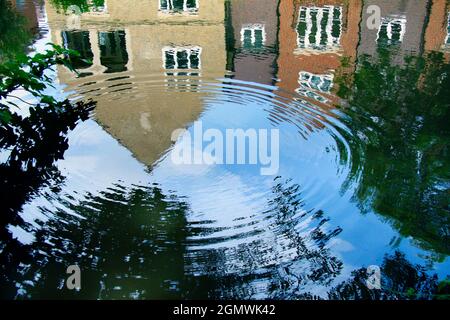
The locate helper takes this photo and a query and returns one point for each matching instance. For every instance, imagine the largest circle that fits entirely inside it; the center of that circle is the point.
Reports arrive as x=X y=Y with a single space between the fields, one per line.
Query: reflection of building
x=145 y=66
x=254 y=24
x=314 y=37
x=28 y=9
x=438 y=29
x=403 y=24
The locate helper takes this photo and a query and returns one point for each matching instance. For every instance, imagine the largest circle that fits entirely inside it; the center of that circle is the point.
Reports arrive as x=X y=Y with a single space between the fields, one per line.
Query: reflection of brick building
x=403 y=25
x=28 y=9
x=314 y=37
x=254 y=24
x=437 y=32
x=145 y=67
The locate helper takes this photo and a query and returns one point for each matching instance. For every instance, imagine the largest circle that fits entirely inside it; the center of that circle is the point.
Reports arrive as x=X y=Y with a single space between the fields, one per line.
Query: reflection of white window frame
x=305 y=81
x=170 y=7
x=98 y=10
x=303 y=42
x=311 y=94
x=389 y=23
x=189 y=50
x=188 y=81
x=447 y=39
x=253 y=28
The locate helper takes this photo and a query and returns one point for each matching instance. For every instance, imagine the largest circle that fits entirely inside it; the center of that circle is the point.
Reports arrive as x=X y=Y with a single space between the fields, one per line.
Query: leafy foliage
x=32 y=142
x=14 y=33
x=84 y=5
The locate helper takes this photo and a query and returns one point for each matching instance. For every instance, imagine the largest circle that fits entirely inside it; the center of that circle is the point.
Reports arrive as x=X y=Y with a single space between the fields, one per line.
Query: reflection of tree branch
x=18 y=98
x=400 y=280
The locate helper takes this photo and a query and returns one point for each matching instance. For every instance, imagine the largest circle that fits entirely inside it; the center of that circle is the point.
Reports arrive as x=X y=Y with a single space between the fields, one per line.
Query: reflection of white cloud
x=87 y=135
x=21 y=235
x=82 y=164
x=340 y=245
x=215 y=195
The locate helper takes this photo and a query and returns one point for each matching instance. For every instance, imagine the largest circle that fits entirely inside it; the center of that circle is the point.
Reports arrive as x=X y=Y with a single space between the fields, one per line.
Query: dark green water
x=364 y=166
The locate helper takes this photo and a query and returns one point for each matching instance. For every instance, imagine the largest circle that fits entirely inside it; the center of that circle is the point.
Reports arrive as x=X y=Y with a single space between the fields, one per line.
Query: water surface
x=364 y=171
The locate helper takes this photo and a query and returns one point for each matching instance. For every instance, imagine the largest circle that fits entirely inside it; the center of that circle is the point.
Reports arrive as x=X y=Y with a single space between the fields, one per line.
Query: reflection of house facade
x=29 y=10
x=402 y=25
x=146 y=62
x=314 y=37
x=437 y=35
x=254 y=24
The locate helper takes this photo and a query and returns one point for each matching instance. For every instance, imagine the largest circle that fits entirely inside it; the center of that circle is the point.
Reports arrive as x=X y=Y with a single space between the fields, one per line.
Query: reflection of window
x=79 y=41
x=183 y=81
x=97 y=6
x=178 y=5
x=319 y=82
x=447 y=41
x=319 y=28
x=182 y=66
x=113 y=51
x=253 y=35
x=311 y=94
x=392 y=30
x=311 y=85
x=182 y=57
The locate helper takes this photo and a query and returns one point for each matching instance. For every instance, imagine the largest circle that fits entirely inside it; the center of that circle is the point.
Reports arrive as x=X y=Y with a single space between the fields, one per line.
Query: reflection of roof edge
x=158 y=157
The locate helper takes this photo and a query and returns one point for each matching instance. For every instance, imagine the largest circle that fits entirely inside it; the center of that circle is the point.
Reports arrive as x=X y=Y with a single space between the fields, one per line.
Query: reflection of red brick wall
x=27 y=8
x=436 y=32
x=290 y=64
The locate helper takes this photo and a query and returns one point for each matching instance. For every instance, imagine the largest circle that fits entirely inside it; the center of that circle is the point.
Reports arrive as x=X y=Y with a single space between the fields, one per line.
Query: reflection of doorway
x=113 y=51
x=79 y=41
x=178 y=5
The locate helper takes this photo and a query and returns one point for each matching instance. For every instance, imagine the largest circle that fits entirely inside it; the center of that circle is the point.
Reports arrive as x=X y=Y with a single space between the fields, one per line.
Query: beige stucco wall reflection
x=142 y=106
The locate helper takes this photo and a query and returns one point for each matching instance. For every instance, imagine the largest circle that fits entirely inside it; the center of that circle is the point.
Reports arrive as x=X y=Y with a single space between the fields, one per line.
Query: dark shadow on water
x=33 y=144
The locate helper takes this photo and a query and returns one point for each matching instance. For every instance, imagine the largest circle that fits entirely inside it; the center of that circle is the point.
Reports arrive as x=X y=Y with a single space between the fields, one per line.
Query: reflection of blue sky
x=229 y=196
x=225 y=192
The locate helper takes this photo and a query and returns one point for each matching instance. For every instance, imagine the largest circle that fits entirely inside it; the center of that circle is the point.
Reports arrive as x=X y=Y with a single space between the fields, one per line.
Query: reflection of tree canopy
x=401 y=114
x=133 y=243
x=14 y=34
x=284 y=261
x=400 y=279
x=33 y=143
x=126 y=242
x=84 y=5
